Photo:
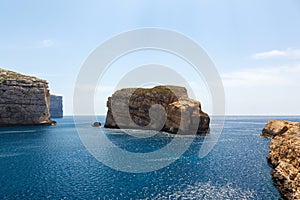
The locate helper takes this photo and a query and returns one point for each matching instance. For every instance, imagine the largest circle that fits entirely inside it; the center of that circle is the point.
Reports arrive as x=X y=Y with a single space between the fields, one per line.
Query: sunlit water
x=52 y=163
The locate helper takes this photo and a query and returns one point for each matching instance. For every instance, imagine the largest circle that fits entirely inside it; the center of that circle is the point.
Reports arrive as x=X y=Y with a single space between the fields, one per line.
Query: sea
x=54 y=162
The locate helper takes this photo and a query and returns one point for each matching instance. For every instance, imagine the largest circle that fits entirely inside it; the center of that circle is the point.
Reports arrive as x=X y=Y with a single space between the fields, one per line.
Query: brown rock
x=166 y=108
x=24 y=100
x=284 y=156
x=277 y=127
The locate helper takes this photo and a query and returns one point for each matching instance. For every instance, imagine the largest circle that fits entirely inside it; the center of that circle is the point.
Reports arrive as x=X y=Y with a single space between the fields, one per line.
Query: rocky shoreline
x=165 y=108
x=284 y=156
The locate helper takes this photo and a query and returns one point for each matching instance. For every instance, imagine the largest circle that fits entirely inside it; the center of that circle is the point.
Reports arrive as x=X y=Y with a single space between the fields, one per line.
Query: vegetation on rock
x=165 y=108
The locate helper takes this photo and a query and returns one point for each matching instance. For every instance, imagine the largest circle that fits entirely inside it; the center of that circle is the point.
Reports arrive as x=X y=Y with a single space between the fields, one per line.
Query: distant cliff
x=56 y=106
x=284 y=156
x=165 y=108
x=24 y=100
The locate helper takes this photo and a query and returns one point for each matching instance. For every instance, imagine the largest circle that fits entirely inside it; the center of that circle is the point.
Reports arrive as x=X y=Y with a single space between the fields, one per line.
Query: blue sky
x=254 y=44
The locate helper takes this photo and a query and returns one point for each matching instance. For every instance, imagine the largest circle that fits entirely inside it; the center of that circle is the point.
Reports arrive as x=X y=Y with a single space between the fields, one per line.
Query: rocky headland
x=165 y=108
x=284 y=156
x=24 y=100
x=56 y=106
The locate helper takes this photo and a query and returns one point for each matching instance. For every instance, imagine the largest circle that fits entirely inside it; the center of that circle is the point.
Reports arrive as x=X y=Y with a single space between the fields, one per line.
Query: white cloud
x=276 y=76
x=46 y=43
x=263 y=91
x=288 y=53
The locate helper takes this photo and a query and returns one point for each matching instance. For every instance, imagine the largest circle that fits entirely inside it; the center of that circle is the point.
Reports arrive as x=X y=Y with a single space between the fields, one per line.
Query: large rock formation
x=56 y=106
x=24 y=100
x=165 y=108
x=284 y=156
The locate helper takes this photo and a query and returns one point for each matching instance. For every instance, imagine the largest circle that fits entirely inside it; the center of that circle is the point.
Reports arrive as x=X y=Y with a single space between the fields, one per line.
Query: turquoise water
x=52 y=163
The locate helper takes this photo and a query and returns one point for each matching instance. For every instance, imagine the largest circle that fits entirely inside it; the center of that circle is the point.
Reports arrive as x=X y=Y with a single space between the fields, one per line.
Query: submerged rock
x=165 y=108
x=96 y=124
x=284 y=156
x=53 y=123
x=24 y=100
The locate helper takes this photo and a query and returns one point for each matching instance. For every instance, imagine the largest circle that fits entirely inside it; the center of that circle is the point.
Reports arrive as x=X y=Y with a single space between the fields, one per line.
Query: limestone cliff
x=165 y=108
x=24 y=100
x=284 y=156
x=56 y=107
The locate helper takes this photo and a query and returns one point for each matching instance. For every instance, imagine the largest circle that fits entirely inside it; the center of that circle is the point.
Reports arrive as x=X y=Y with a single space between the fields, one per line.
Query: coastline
x=284 y=155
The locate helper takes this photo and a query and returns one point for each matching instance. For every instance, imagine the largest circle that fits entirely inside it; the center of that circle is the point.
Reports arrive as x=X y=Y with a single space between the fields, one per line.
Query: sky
x=254 y=45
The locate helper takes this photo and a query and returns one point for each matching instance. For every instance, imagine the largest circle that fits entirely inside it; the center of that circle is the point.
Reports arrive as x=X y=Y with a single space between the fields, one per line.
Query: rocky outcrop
x=284 y=156
x=24 y=100
x=56 y=106
x=165 y=108
x=278 y=127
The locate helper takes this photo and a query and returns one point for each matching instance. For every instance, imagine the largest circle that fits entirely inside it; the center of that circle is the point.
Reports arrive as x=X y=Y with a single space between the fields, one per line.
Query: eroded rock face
x=24 y=100
x=165 y=108
x=284 y=156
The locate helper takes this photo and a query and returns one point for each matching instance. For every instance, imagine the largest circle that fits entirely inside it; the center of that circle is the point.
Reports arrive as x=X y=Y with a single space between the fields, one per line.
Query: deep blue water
x=52 y=163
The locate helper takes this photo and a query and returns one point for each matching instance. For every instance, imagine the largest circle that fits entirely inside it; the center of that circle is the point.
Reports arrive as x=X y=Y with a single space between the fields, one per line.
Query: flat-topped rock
x=24 y=100
x=284 y=156
x=165 y=108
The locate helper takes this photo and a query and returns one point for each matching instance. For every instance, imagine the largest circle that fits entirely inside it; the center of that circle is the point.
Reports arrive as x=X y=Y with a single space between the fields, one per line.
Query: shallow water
x=53 y=163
